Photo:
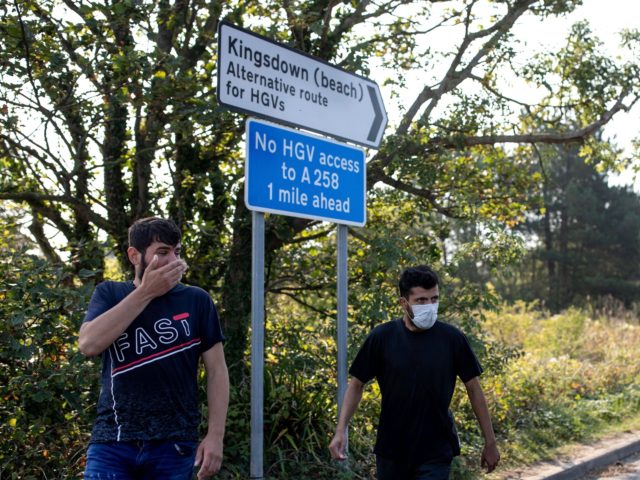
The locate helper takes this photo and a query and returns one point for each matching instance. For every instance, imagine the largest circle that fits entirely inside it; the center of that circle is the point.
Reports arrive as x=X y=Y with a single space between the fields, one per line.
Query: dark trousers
x=392 y=470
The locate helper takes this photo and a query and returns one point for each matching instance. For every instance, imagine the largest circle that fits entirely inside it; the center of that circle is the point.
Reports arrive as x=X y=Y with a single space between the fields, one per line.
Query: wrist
x=142 y=294
x=215 y=432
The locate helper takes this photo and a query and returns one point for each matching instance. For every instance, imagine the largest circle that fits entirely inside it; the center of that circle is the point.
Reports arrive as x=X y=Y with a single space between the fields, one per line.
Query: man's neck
x=408 y=323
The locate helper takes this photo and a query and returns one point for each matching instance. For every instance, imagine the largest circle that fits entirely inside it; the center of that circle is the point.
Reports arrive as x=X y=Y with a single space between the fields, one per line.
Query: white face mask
x=424 y=316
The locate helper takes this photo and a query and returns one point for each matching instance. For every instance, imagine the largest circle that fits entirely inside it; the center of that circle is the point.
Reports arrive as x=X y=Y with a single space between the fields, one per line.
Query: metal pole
x=257 y=345
x=342 y=314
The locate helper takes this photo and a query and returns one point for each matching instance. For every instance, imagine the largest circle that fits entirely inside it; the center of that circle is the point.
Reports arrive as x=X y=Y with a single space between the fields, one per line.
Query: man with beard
x=416 y=360
x=151 y=333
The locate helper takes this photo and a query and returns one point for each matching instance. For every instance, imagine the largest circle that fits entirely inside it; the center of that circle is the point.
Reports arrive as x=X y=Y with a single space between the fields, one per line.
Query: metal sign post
x=257 y=345
x=288 y=172
x=293 y=173
x=343 y=302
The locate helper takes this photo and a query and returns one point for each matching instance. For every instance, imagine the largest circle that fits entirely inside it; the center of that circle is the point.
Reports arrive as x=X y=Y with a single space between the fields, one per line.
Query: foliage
x=584 y=238
x=576 y=375
x=47 y=388
x=109 y=115
x=548 y=379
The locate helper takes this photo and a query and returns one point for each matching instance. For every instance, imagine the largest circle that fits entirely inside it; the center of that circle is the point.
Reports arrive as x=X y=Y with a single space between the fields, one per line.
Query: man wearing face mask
x=416 y=360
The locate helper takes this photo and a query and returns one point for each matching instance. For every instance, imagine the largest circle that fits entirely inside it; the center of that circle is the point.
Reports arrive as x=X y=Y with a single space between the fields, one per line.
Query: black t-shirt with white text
x=149 y=373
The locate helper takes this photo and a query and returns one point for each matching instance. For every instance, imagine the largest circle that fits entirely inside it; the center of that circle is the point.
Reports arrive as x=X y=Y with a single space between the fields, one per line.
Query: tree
x=109 y=114
x=44 y=380
x=587 y=237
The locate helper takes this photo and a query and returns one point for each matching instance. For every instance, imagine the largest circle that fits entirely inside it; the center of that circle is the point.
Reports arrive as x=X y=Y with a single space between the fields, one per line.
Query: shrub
x=46 y=385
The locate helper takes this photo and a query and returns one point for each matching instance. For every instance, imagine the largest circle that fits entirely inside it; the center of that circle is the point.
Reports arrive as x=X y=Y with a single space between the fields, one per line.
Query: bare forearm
x=209 y=453
x=490 y=455
x=98 y=334
x=218 y=402
x=352 y=398
x=481 y=411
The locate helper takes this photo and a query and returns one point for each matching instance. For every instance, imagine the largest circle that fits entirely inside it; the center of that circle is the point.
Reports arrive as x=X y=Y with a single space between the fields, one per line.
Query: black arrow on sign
x=377 y=119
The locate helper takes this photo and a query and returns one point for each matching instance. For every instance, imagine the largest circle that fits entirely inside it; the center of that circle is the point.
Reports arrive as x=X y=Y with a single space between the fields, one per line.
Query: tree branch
x=552 y=138
x=205 y=36
x=419 y=192
x=302 y=302
x=454 y=77
x=307 y=238
x=37 y=230
x=31 y=197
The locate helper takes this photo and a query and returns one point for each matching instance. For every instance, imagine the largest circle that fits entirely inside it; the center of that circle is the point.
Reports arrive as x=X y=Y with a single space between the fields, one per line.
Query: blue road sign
x=301 y=175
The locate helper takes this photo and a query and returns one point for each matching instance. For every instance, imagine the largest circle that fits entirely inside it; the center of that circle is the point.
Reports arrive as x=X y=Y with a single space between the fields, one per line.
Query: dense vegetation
x=108 y=113
x=549 y=380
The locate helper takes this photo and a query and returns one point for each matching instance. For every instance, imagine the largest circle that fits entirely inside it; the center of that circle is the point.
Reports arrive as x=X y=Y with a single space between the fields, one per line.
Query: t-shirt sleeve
x=364 y=366
x=101 y=301
x=210 y=328
x=467 y=364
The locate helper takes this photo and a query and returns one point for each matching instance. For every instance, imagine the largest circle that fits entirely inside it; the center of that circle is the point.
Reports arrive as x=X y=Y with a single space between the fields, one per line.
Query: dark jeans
x=156 y=460
x=392 y=470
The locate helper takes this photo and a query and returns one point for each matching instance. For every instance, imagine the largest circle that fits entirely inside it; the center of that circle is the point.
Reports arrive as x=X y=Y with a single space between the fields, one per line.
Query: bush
x=576 y=376
x=46 y=385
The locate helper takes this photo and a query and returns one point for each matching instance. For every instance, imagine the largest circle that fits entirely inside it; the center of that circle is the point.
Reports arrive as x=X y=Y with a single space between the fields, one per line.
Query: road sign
x=302 y=175
x=264 y=78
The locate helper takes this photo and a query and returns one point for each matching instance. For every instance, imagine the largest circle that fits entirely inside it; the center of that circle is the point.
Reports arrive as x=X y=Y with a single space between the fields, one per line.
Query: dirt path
x=582 y=459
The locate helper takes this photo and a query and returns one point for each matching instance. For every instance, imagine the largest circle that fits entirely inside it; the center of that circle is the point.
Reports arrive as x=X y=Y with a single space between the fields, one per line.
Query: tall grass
x=575 y=375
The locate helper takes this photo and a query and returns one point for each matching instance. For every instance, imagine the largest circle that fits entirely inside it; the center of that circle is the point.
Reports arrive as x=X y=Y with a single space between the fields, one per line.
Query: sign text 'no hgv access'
x=302 y=175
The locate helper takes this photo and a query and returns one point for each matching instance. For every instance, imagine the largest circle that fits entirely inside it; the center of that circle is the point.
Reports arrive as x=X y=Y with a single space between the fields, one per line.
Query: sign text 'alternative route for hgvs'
x=302 y=175
x=258 y=76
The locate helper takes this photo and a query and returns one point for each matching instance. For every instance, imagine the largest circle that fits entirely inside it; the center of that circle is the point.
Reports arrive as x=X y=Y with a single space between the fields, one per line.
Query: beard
x=142 y=268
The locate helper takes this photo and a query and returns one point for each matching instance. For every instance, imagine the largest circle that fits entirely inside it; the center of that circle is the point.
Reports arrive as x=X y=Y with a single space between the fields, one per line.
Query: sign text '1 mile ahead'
x=289 y=172
x=258 y=76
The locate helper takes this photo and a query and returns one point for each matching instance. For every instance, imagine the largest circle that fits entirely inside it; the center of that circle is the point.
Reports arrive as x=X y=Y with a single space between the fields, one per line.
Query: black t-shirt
x=149 y=373
x=416 y=372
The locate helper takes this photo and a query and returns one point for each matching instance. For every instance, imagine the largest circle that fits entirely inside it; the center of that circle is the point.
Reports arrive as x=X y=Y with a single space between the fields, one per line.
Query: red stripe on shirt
x=164 y=352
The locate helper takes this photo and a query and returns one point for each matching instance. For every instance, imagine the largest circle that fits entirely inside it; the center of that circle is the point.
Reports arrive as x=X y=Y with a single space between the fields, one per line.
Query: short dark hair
x=420 y=276
x=145 y=231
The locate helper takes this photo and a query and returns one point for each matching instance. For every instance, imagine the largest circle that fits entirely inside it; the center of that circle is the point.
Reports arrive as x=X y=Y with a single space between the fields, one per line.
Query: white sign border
x=296 y=214
x=375 y=144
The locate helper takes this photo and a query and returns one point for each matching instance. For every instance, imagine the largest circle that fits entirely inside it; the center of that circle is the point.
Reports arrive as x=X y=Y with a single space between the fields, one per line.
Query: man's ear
x=134 y=256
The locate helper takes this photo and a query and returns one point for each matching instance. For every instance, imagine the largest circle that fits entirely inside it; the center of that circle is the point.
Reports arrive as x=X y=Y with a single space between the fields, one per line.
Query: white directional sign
x=258 y=76
x=302 y=175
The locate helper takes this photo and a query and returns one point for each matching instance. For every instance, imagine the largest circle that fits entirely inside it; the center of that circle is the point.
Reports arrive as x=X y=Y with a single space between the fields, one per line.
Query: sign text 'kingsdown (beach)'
x=258 y=76
x=301 y=175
